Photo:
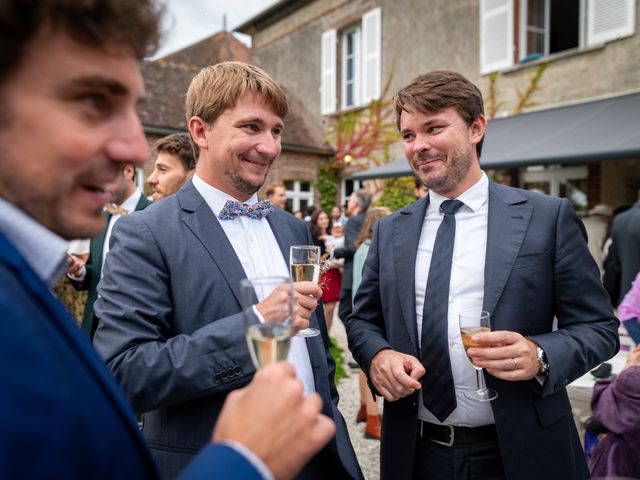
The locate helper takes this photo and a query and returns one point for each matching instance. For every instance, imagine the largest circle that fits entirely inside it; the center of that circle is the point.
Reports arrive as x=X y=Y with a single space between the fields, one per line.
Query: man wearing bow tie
x=125 y=198
x=171 y=325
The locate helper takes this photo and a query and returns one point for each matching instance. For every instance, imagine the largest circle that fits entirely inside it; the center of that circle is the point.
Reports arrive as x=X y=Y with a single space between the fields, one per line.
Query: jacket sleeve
x=155 y=366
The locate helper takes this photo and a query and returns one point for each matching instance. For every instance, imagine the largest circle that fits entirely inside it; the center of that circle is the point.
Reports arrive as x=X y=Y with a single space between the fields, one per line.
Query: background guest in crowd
x=337 y=216
x=174 y=165
x=623 y=259
x=125 y=198
x=596 y=223
x=368 y=411
x=277 y=194
x=357 y=206
x=616 y=404
x=331 y=277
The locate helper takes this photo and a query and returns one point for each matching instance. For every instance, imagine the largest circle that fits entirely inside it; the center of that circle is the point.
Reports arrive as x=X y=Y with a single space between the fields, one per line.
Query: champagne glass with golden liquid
x=268 y=340
x=304 y=261
x=471 y=323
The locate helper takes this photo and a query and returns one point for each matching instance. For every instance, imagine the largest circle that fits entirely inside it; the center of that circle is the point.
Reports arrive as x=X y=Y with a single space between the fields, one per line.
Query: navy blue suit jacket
x=537 y=267
x=63 y=415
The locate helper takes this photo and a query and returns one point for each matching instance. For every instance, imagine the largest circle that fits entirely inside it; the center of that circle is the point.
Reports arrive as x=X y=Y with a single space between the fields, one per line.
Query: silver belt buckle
x=451 y=437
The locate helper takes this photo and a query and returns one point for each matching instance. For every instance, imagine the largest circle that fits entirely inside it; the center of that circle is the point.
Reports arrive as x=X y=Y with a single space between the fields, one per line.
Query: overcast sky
x=188 y=21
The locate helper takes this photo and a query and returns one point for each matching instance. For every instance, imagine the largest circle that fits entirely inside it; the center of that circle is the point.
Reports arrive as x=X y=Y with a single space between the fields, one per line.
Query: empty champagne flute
x=304 y=261
x=471 y=323
x=268 y=340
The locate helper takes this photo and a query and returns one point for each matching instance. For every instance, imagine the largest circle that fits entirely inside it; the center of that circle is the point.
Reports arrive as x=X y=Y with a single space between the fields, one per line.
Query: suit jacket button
x=230 y=372
x=237 y=370
x=217 y=378
x=223 y=375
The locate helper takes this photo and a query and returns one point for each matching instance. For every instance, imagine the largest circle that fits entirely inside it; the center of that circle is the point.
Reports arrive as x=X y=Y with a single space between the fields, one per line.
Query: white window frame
x=356 y=31
x=367 y=59
x=297 y=194
x=600 y=21
x=554 y=174
x=357 y=185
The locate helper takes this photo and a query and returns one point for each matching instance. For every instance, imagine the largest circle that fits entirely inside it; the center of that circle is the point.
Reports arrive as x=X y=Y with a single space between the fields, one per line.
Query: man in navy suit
x=69 y=86
x=475 y=245
x=171 y=324
x=125 y=198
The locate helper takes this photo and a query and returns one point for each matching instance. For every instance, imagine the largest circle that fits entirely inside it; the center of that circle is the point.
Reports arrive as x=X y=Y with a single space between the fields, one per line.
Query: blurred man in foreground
x=69 y=85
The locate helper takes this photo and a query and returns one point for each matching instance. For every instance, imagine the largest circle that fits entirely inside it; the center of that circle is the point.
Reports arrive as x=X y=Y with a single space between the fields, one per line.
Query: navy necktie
x=438 y=390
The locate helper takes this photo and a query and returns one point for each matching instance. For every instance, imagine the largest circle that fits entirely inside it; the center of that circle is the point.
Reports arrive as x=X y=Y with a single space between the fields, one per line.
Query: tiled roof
x=167 y=80
x=220 y=47
x=166 y=84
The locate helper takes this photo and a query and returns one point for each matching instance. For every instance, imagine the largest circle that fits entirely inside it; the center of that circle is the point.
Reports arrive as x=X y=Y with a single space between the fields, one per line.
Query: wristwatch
x=543 y=365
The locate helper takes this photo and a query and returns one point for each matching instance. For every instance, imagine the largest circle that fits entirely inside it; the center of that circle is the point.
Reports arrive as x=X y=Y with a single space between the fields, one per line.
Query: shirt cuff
x=252 y=458
x=80 y=277
x=258 y=314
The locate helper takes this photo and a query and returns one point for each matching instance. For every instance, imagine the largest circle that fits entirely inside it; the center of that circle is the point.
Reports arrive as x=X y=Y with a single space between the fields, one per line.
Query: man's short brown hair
x=271 y=189
x=440 y=89
x=217 y=88
x=179 y=145
x=130 y=24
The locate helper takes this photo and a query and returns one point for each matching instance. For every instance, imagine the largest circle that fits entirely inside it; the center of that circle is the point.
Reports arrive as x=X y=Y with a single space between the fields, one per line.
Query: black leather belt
x=449 y=435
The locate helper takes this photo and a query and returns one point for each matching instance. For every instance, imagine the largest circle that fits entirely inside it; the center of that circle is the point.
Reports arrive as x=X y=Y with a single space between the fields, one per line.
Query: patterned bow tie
x=114 y=209
x=256 y=211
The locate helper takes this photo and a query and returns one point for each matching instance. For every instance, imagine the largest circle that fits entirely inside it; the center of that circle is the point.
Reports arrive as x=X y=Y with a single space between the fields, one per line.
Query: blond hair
x=217 y=88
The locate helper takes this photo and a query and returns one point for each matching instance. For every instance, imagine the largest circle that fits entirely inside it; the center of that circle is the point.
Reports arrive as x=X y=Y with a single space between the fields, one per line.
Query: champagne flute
x=471 y=323
x=304 y=261
x=268 y=340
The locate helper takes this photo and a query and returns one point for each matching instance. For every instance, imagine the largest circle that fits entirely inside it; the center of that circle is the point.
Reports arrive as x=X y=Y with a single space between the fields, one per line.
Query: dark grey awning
x=586 y=132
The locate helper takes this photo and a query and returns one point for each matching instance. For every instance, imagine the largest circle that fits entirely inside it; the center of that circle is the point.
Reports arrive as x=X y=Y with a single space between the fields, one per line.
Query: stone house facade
x=336 y=55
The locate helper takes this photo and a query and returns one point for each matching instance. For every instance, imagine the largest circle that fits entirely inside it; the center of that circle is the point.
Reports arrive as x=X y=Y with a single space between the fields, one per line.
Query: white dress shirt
x=259 y=253
x=129 y=205
x=466 y=292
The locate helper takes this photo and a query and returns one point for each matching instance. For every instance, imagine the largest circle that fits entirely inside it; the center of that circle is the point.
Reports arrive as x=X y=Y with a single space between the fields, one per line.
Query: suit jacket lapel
x=509 y=217
x=406 y=235
x=205 y=226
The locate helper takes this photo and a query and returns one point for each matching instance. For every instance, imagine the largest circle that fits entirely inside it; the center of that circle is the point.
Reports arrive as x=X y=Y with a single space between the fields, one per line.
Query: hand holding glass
x=305 y=267
x=268 y=341
x=471 y=323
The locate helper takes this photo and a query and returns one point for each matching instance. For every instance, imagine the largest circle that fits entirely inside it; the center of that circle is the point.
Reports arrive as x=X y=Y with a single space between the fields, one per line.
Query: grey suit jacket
x=171 y=326
x=537 y=267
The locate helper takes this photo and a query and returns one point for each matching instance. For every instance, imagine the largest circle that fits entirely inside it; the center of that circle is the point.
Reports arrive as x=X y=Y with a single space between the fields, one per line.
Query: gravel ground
x=367 y=451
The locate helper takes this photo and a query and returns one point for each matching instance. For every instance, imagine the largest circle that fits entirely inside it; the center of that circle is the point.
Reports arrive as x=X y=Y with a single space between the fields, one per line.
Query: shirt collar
x=130 y=203
x=473 y=198
x=43 y=250
x=216 y=198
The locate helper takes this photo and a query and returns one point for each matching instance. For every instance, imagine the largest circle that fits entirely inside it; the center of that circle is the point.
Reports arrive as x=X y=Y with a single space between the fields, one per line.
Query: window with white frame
x=299 y=195
x=347 y=188
x=546 y=27
x=360 y=55
x=558 y=180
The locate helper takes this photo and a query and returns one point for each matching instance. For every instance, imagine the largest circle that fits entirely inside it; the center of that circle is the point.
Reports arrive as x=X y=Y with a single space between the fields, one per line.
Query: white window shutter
x=610 y=19
x=371 y=54
x=496 y=35
x=328 y=72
